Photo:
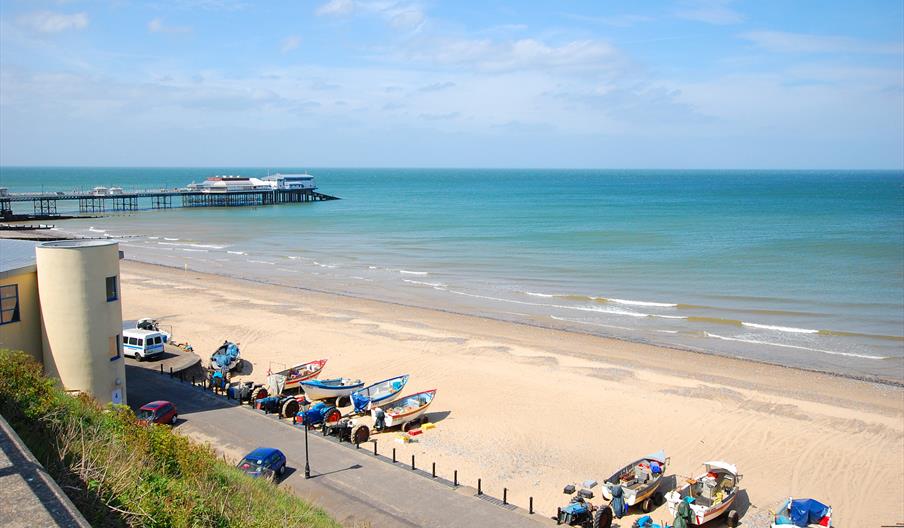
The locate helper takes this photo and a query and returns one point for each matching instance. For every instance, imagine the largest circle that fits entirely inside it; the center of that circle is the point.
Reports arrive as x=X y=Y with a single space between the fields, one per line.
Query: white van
x=142 y=344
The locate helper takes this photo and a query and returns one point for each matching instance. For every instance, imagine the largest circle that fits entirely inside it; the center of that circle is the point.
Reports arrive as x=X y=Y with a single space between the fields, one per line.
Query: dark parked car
x=160 y=412
x=264 y=462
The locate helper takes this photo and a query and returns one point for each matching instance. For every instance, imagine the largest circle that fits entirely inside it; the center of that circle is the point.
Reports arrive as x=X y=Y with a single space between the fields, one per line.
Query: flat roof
x=16 y=256
x=88 y=242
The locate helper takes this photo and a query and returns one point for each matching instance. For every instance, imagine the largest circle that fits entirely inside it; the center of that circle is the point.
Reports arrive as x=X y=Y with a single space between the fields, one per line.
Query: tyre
x=602 y=518
x=290 y=408
x=258 y=394
x=175 y=418
x=407 y=426
x=647 y=505
x=139 y=358
x=360 y=434
x=331 y=416
x=282 y=470
x=658 y=499
x=343 y=401
x=732 y=519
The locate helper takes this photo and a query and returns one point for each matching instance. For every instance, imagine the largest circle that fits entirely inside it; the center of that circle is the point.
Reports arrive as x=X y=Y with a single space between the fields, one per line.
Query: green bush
x=119 y=473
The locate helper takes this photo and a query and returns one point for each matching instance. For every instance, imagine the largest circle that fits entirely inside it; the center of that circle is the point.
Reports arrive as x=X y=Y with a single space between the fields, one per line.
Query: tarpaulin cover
x=805 y=512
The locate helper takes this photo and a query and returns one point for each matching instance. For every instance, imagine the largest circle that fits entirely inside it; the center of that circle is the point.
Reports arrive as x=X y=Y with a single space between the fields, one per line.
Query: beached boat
x=302 y=372
x=639 y=482
x=407 y=410
x=226 y=357
x=329 y=389
x=802 y=513
x=378 y=392
x=710 y=495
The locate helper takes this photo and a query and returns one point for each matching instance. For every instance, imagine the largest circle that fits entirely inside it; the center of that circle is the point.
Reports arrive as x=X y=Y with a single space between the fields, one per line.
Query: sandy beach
x=532 y=409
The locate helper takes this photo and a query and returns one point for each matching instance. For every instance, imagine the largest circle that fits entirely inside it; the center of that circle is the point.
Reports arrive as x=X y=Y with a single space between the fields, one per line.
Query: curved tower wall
x=81 y=328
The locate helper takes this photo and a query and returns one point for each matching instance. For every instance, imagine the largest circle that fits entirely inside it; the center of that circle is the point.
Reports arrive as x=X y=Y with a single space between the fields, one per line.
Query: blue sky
x=604 y=84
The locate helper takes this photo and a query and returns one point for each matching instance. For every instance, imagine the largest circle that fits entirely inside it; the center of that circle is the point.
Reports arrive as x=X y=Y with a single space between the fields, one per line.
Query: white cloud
x=716 y=12
x=400 y=15
x=157 y=25
x=52 y=22
x=783 y=42
x=290 y=43
x=336 y=7
x=522 y=54
x=623 y=20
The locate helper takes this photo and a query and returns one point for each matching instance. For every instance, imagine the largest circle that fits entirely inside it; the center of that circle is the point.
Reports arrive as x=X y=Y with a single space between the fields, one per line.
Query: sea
x=797 y=268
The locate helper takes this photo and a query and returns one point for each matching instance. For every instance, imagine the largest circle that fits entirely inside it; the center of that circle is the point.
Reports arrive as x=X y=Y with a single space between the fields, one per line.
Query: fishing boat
x=330 y=389
x=639 y=482
x=710 y=495
x=406 y=410
x=802 y=513
x=298 y=373
x=226 y=357
x=378 y=392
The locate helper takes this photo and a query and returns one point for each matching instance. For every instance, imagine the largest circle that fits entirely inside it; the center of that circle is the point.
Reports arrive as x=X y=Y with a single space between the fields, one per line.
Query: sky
x=765 y=84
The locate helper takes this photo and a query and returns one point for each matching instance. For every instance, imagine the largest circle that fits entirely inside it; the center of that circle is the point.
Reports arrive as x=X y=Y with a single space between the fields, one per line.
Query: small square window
x=9 y=303
x=115 y=347
x=112 y=289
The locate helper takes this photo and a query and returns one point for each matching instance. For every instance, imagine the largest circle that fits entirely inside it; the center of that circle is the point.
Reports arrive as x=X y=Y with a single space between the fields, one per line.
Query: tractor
x=580 y=512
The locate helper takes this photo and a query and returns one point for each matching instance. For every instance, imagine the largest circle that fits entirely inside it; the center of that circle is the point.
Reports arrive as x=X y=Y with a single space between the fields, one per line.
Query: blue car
x=264 y=462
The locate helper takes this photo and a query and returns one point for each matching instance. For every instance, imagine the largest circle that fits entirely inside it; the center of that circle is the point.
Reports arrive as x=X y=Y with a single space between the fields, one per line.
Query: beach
x=531 y=408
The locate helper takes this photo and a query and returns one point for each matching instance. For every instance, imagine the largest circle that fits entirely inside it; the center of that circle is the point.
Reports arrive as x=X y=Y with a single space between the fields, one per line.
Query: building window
x=112 y=290
x=9 y=303
x=115 y=347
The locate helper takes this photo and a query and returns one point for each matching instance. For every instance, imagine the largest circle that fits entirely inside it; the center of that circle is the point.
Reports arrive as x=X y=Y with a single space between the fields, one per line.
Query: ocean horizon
x=803 y=268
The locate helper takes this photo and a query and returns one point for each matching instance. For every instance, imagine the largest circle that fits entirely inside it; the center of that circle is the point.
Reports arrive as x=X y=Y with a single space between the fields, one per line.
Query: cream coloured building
x=60 y=303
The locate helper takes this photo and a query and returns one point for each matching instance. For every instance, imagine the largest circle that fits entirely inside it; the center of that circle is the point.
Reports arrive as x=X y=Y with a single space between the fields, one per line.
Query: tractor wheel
x=343 y=401
x=331 y=416
x=173 y=421
x=732 y=519
x=647 y=505
x=407 y=426
x=290 y=408
x=257 y=394
x=658 y=499
x=360 y=434
x=282 y=471
x=603 y=517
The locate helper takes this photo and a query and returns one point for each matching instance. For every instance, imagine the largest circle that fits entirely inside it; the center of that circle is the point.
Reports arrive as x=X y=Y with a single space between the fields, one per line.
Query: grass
x=119 y=473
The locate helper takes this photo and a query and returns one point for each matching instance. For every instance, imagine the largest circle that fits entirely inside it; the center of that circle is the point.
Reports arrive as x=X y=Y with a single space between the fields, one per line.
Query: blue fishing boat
x=378 y=392
x=330 y=388
x=226 y=357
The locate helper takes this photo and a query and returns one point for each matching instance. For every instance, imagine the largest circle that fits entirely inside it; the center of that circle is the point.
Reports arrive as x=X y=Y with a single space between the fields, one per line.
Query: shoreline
x=898 y=383
x=530 y=408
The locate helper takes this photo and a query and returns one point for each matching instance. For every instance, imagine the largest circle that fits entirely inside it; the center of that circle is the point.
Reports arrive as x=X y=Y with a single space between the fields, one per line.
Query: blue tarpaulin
x=805 y=512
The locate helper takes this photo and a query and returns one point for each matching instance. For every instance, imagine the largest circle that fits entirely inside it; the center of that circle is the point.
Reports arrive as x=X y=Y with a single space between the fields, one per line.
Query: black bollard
x=393 y=455
x=412 y=462
x=434 y=470
x=161 y=368
x=455 y=478
x=375 y=448
x=479 y=489
x=171 y=372
x=530 y=508
x=505 y=496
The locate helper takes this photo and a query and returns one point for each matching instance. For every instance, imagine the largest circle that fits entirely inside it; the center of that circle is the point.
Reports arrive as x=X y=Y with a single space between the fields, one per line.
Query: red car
x=160 y=412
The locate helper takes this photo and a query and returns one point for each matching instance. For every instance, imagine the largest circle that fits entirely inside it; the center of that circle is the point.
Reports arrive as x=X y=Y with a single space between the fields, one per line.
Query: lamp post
x=304 y=422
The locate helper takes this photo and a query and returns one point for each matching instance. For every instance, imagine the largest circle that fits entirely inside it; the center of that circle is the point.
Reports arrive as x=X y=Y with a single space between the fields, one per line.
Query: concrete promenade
x=355 y=487
x=28 y=496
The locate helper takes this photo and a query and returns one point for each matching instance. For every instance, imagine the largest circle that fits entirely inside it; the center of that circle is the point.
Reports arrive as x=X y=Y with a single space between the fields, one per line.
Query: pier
x=89 y=202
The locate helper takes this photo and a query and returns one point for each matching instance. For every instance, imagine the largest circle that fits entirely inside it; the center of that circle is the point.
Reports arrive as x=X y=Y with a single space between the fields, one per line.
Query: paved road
x=353 y=486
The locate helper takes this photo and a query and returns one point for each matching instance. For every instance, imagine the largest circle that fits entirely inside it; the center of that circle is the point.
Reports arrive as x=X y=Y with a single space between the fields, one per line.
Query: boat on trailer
x=379 y=392
x=710 y=495
x=226 y=357
x=301 y=372
x=407 y=410
x=639 y=482
x=329 y=389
